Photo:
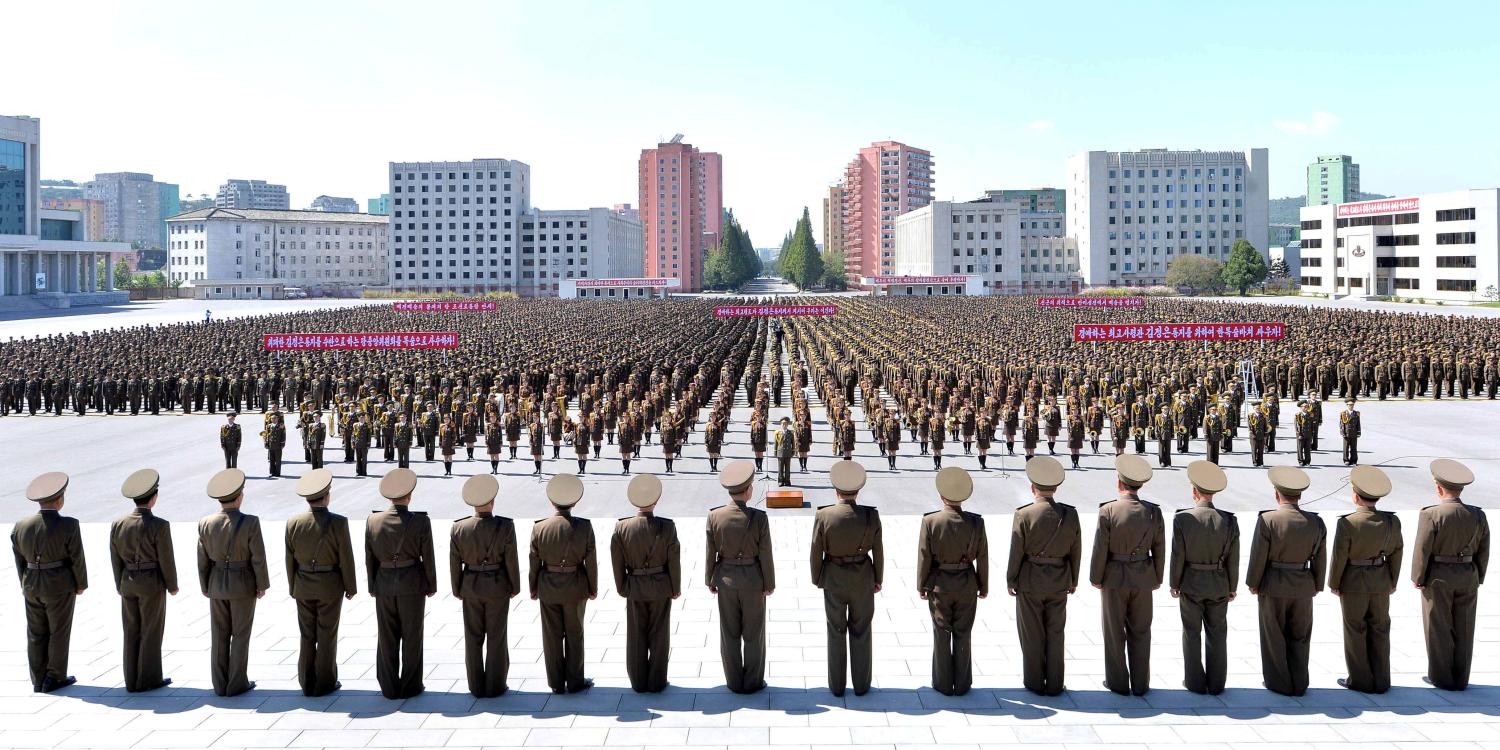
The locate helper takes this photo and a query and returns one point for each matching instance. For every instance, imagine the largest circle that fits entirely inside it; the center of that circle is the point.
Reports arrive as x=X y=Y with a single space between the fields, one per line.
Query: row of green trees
x=734 y=261
x=1244 y=269
x=804 y=265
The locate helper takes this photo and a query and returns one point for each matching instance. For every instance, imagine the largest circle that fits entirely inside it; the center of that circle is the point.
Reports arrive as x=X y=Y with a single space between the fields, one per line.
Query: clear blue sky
x=320 y=95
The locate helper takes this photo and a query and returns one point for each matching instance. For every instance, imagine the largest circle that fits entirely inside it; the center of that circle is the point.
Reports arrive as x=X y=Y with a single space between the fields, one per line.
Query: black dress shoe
x=338 y=686
x=558 y=691
x=588 y=683
x=836 y=693
x=858 y=692
x=49 y=684
x=1344 y=683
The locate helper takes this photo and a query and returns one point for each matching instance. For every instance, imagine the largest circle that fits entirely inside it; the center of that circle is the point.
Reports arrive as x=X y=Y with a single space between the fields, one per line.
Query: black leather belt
x=849 y=559
x=140 y=566
x=1048 y=561
x=561 y=568
x=1129 y=558
x=483 y=568
x=388 y=564
x=45 y=565
x=234 y=564
x=1205 y=566
x=955 y=566
x=738 y=561
x=317 y=568
x=1373 y=562
x=1289 y=566
x=647 y=571
x=1453 y=559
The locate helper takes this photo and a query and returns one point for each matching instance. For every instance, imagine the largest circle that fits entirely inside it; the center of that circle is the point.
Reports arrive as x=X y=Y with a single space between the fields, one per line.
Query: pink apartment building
x=885 y=180
x=681 y=210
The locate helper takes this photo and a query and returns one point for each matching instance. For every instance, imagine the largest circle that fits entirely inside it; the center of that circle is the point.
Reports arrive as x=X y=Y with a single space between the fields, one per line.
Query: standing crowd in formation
x=1288 y=565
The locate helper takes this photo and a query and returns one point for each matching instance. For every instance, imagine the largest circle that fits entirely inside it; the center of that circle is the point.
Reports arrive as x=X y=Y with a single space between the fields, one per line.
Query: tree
x=801 y=262
x=1492 y=293
x=833 y=271
x=1196 y=273
x=122 y=274
x=788 y=260
x=713 y=269
x=1279 y=270
x=1246 y=267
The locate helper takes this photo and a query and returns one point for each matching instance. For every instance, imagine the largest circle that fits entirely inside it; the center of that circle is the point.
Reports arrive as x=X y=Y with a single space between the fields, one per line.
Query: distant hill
x=1285 y=210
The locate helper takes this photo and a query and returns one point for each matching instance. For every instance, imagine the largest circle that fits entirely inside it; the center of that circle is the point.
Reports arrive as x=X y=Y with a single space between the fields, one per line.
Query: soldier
x=1204 y=579
x=232 y=574
x=49 y=561
x=740 y=570
x=145 y=568
x=1164 y=429
x=564 y=577
x=1075 y=438
x=314 y=437
x=848 y=564
x=580 y=436
x=1306 y=428
x=1127 y=564
x=1213 y=433
x=1288 y=557
x=403 y=436
x=785 y=449
x=536 y=434
x=274 y=438
x=229 y=440
x=319 y=570
x=647 y=563
x=1349 y=429
x=1366 y=566
x=1315 y=406
x=1046 y=554
x=485 y=574
x=494 y=442
x=400 y=573
x=1448 y=566
x=429 y=430
x=359 y=438
x=1256 y=424
x=953 y=574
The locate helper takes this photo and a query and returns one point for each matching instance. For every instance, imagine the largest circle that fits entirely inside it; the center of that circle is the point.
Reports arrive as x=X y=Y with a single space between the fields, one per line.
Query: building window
x=1312 y=243
x=1312 y=224
x=1314 y=262
x=1456 y=261
x=1404 y=262
x=1455 y=238
x=1455 y=214
x=1396 y=240
x=1456 y=285
x=1399 y=283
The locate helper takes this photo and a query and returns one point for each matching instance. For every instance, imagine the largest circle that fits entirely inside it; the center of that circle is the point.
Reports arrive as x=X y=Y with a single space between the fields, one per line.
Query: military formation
x=1288 y=565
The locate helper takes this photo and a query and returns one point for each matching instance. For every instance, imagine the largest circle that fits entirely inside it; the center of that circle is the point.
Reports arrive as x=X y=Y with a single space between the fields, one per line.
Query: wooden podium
x=784 y=498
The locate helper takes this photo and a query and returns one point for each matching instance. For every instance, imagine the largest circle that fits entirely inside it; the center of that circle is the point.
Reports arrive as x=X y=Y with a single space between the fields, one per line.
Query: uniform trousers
x=273 y=461
x=1040 y=620
x=1351 y=450
x=850 y=644
x=562 y=644
x=49 y=629
x=648 y=635
x=318 y=660
x=1448 y=615
x=144 y=617
x=1127 y=639
x=1205 y=665
x=1367 y=640
x=952 y=649
x=398 y=646
x=486 y=651
x=1285 y=635
x=230 y=623
x=742 y=638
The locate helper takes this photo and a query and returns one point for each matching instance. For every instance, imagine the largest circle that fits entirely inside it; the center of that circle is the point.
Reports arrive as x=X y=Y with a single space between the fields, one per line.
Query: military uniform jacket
x=1447 y=533
x=1205 y=552
x=319 y=556
x=1046 y=548
x=953 y=553
x=229 y=436
x=738 y=549
x=483 y=562
x=140 y=552
x=1130 y=545
x=1349 y=424
x=398 y=553
x=646 y=558
x=1367 y=550
x=1288 y=555
x=846 y=540
x=231 y=556
x=52 y=542
x=564 y=567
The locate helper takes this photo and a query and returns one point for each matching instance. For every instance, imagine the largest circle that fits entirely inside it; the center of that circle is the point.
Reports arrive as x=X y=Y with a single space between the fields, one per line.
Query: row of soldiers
x=1288 y=565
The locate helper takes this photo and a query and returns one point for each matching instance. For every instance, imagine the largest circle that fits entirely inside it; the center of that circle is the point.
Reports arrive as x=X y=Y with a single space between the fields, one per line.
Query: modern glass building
x=13 y=184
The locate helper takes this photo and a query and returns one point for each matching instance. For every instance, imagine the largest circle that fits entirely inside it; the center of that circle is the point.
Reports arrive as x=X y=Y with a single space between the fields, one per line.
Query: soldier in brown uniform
x=400 y=573
x=49 y=561
x=485 y=574
x=320 y=575
x=564 y=577
x=229 y=440
x=1127 y=564
x=1366 y=566
x=1349 y=429
x=1288 y=559
x=1205 y=572
x=145 y=568
x=739 y=569
x=848 y=564
x=1046 y=556
x=1448 y=565
x=953 y=574
x=232 y=574
x=647 y=563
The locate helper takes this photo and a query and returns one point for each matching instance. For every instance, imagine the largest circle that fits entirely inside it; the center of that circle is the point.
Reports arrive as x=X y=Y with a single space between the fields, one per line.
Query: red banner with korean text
x=772 y=311
x=1107 y=302
x=312 y=342
x=479 y=305
x=1180 y=332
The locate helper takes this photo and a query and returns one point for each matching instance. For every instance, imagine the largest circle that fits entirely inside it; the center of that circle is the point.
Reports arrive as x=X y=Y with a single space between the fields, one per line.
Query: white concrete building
x=252 y=194
x=1133 y=212
x=455 y=225
x=319 y=251
x=43 y=261
x=1010 y=251
x=1438 y=246
x=589 y=243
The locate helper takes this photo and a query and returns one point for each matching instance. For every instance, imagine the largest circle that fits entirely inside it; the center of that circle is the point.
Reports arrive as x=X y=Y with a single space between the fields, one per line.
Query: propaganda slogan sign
x=772 y=311
x=480 y=305
x=305 y=342
x=1108 y=302
x=1180 y=332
